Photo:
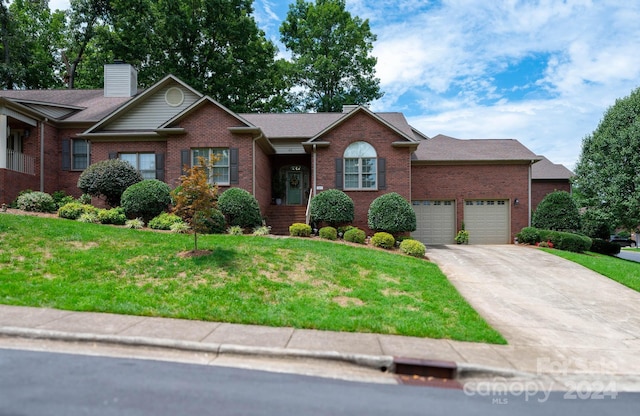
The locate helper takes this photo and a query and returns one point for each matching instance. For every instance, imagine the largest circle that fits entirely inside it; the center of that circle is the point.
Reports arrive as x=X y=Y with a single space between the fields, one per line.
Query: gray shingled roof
x=307 y=125
x=96 y=105
x=545 y=169
x=447 y=149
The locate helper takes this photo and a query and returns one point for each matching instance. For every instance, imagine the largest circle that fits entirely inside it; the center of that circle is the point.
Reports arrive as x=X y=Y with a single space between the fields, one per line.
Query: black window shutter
x=113 y=155
x=66 y=154
x=339 y=176
x=160 y=166
x=233 y=166
x=382 y=173
x=184 y=160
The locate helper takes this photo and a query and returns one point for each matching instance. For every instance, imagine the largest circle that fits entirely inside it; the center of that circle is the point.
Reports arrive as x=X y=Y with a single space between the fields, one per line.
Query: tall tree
x=216 y=47
x=607 y=174
x=331 y=55
x=30 y=35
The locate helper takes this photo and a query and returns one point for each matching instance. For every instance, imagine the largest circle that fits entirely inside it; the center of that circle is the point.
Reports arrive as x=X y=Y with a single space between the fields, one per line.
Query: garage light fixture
x=516 y=201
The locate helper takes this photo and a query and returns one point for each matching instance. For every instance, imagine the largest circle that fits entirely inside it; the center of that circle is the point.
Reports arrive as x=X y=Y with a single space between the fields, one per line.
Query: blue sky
x=542 y=72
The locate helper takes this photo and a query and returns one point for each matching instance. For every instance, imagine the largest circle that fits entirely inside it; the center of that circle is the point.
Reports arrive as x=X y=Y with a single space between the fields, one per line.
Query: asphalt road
x=38 y=383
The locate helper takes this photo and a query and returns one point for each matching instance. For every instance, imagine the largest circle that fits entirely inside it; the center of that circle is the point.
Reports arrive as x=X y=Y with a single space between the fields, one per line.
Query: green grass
x=291 y=282
x=622 y=271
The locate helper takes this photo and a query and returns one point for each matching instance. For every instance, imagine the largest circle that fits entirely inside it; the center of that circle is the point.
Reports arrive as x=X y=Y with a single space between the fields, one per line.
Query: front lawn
x=295 y=282
x=622 y=271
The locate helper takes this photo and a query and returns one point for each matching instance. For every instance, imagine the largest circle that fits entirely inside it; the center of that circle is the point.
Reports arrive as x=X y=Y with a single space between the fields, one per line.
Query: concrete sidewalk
x=560 y=321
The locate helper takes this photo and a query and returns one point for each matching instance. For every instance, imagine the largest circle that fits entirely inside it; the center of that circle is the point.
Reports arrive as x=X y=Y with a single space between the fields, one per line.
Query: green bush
x=164 y=221
x=113 y=216
x=343 y=230
x=566 y=241
x=36 y=202
x=391 y=213
x=240 y=208
x=384 y=240
x=146 y=199
x=601 y=246
x=89 y=218
x=214 y=223
x=300 y=230
x=328 y=233
x=528 y=235
x=73 y=210
x=180 y=227
x=557 y=211
x=235 y=230
x=355 y=235
x=332 y=207
x=109 y=178
x=413 y=248
x=61 y=198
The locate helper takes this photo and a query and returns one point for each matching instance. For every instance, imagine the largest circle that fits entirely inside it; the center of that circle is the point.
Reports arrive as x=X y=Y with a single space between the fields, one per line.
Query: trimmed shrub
x=180 y=227
x=61 y=198
x=109 y=178
x=89 y=217
x=332 y=207
x=557 y=211
x=413 y=248
x=146 y=199
x=528 y=235
x=596 y=224
x=566 y=241
x=73 y=210
x=214 y=223
x=36 y=202
x=355 y=235
x=328 y=233
x=391 y=213
x=113 y=216
x=235 y=230
x=601 y=246
x=343 y=230
x=300 y=230
x=384 y=240
x=164 y=221
x=240 y=208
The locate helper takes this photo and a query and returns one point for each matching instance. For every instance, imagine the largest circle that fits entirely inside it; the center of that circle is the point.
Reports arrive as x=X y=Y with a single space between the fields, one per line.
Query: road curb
x=379 y=362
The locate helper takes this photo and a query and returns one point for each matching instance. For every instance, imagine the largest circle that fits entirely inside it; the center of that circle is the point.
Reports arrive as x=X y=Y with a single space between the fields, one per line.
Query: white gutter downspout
x=530 y=179
x=46 y=120
x=315 y=163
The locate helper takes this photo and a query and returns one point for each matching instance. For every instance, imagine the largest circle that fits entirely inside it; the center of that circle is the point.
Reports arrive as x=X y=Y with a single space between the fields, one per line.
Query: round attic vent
x=174 y=96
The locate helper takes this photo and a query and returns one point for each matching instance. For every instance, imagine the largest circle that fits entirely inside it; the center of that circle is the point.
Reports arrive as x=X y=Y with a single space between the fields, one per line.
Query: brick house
x=548 y=177
x=282 y=159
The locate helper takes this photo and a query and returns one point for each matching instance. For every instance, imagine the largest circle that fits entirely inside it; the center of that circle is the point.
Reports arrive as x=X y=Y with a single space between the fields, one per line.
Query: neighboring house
x=52 y=136
x=548 y=177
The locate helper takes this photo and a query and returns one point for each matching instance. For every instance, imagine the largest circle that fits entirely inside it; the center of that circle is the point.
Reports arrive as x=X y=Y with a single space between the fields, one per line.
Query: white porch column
x=3 y=141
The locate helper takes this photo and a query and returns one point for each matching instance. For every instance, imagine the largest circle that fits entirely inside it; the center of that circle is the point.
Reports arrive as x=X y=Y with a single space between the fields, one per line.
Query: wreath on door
x=294 y=182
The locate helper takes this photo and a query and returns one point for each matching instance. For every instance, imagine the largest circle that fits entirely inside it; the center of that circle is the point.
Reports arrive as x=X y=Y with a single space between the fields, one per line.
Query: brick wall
x=362 y=127
x=542 y=188
x=460 y=182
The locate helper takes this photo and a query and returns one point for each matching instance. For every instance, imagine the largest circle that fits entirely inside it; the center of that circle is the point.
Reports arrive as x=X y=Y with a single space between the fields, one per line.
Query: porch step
x=280 y=217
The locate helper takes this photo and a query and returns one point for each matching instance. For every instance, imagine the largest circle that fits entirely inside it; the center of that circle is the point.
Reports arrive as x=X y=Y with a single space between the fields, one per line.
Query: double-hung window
x=219 y=172
x=145 y=163
x=79 y=154
x=360 y=167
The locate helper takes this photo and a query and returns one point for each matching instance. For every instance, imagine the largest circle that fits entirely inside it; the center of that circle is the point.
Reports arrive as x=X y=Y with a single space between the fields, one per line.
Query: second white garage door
x=435 y=222
x=487 y=221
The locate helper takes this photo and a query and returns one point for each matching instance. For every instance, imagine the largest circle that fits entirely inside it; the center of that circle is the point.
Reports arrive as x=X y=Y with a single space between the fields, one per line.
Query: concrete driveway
x=542 y=302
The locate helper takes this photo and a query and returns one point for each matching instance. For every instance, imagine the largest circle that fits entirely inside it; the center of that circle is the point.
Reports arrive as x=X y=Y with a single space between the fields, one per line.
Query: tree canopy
x=607 y=174
x=331 y=61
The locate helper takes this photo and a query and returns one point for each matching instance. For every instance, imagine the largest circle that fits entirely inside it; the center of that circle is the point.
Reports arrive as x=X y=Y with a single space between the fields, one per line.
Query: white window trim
x=210 y=176
x=137 y=165
x=360 y=164
x=73 y=154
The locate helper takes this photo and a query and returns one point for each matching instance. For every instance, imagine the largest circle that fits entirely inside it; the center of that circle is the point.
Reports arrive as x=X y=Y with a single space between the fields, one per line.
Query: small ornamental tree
x=391 y=213
x=109 y=178
x=195 y=199
x=557 y=211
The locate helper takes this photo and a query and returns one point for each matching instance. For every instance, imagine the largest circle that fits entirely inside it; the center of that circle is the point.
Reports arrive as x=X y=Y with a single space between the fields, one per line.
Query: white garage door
x=487 y=221
x=436 y=222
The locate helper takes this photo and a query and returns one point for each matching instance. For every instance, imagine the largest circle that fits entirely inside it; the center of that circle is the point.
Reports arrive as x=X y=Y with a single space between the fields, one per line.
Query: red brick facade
x=542 y=188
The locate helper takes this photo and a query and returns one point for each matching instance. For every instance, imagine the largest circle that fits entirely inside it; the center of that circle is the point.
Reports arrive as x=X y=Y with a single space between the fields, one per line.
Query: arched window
x=360 y=166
